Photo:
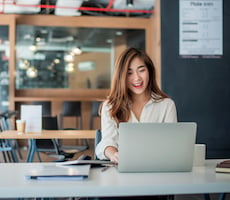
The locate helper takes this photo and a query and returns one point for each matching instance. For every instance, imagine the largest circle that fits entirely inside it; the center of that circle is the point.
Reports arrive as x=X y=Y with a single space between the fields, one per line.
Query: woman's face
x=137 y=77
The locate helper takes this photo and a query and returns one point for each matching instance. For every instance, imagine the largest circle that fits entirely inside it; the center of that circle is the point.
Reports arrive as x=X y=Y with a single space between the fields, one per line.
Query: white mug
x=199 y=155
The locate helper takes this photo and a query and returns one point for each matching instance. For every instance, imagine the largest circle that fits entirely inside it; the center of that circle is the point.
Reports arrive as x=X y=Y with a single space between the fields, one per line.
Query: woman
x=134 y=97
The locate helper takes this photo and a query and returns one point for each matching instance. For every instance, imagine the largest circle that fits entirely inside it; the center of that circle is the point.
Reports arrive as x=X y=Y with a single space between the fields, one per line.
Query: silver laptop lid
x=156 y=147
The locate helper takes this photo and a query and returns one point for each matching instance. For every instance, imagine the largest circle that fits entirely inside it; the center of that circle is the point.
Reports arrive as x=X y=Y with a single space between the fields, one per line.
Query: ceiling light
x=38 y=39
x=69 y=67
x=23 y=64
x=33 y=48
x=57 y=61
x=129 y=3
x=69 y=58
x=32 y=72
x=77 y=51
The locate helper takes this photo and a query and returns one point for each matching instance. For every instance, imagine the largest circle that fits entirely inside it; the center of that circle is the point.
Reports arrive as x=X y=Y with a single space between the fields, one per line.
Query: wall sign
x=201 y=28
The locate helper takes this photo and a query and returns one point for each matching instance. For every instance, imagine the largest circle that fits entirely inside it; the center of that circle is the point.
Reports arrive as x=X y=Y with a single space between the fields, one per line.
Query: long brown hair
x=120 y=97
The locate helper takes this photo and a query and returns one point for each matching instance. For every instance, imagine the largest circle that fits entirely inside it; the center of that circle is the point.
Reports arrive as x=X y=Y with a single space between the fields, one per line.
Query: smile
x=138 y=85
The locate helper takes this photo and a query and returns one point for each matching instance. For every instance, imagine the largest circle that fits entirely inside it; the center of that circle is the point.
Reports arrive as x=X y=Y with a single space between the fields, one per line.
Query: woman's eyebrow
x=141 y=66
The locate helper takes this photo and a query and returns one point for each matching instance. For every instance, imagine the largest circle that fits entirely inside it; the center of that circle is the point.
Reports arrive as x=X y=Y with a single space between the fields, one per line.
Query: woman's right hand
x=112 y=154
x=114 y=157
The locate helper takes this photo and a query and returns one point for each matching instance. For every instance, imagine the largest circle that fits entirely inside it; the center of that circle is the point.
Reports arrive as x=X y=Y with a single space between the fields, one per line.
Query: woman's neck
x=141 y=99
x=138 y=103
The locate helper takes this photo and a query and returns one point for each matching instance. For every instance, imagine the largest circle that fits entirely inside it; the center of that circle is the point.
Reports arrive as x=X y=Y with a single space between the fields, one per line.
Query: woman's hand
x=112 y=154
x=114 y=157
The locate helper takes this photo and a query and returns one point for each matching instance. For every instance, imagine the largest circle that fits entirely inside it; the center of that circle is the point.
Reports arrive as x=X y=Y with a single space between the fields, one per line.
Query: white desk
x=112 y=183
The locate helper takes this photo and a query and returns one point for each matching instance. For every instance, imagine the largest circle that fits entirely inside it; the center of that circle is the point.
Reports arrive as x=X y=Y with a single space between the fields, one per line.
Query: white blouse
x=153 y=111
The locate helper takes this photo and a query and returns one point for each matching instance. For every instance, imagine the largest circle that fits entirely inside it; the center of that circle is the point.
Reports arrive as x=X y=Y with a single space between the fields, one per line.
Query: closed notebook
x=53 y=172
x=223 y=167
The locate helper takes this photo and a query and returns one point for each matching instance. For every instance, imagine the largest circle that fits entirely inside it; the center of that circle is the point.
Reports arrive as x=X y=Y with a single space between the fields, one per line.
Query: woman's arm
x=109 y=132
x=171 y=112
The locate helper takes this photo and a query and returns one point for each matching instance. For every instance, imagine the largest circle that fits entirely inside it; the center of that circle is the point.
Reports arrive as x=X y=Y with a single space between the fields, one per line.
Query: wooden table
x=47 y=134
x=50 y=134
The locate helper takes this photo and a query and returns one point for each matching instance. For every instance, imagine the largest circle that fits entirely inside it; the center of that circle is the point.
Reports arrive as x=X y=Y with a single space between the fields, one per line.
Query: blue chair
x=7 y=146
x=97 y=140
x=94 y=113
x=8 y=126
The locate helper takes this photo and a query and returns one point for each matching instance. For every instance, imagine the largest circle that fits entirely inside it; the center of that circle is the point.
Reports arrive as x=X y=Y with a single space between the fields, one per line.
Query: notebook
x=53 y=172
x=156 y=147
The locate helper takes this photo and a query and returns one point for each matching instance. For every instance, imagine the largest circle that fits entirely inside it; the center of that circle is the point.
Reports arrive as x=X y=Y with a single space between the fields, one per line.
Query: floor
x=90 y=152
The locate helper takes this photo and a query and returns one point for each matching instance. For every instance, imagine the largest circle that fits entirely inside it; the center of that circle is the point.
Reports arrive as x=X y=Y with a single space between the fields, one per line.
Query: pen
x=105 y=168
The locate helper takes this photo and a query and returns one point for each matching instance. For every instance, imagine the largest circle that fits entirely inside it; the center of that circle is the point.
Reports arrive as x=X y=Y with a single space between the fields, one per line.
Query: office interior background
x=51 y=51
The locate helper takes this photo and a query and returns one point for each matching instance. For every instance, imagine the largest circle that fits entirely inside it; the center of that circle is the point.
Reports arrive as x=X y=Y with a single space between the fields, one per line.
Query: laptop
x=156 y=147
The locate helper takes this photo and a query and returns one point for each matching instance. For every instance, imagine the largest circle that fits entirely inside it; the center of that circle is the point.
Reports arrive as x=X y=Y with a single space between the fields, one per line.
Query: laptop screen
x=156 y=147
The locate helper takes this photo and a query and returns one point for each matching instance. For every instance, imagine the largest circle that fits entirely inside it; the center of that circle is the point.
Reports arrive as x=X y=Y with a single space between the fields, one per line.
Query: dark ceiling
x=131 y=8
x=89 y=39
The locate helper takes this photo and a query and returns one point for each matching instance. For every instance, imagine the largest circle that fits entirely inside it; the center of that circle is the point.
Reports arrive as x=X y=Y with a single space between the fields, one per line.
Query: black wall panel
x=200 y=87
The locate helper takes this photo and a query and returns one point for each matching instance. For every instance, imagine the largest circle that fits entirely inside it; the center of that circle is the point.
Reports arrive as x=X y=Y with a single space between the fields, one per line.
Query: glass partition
x=76 y=58
x=4 y=64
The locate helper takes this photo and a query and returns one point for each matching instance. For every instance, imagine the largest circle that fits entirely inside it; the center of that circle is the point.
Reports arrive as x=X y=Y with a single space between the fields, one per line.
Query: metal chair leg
x=222 y=196
x=13 y=154
x=18 y=149
x=39 y=157
x=4 y=156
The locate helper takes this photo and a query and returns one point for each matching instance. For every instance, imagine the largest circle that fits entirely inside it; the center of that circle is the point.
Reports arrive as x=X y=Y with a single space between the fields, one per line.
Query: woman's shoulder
x=106 y=106
x=105 y=103
x=167 y=100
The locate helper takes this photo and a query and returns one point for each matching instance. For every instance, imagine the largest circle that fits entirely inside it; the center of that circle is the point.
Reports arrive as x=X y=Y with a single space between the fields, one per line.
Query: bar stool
x=72 y=109
x=51 y=147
